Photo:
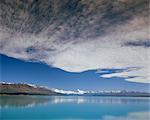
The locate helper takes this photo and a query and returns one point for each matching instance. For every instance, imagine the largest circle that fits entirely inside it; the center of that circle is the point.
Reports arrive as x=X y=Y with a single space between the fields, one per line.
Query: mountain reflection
x=30 y=101
x=100 y=100
x=21 y=101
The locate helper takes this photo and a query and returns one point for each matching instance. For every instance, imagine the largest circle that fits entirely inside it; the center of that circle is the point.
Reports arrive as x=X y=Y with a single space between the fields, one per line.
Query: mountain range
x=30 y=89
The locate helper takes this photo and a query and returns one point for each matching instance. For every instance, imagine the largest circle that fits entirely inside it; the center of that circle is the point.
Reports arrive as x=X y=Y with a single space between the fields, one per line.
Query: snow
x=32 y=85
x=78 y=92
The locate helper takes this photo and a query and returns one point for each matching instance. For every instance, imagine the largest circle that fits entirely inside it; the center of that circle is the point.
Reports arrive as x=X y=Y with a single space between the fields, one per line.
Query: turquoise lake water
x=74 y=108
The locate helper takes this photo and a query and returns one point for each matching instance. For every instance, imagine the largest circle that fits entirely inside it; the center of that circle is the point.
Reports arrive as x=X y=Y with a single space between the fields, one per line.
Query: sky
x=108 y=39
x=18 y=71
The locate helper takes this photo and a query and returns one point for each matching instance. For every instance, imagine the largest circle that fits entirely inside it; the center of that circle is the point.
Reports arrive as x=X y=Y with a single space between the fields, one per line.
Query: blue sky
x=18 y=71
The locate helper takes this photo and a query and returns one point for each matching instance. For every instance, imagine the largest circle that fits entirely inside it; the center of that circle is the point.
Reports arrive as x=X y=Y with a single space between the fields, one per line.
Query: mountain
x=70 y=92
x=29 y=89
x=25 y=89
x=122 y=93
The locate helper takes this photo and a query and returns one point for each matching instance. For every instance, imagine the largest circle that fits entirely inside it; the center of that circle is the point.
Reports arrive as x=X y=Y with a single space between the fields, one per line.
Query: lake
x=74 y=108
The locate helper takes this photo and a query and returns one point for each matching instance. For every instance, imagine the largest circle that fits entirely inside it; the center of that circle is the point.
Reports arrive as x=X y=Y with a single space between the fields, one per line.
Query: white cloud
x=107 y=52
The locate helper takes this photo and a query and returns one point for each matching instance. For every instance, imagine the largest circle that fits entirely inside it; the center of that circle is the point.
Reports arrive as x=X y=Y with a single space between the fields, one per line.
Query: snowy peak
x=78 y=92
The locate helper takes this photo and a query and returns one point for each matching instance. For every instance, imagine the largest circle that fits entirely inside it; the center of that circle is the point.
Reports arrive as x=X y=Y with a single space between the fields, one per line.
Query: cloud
x=79 y=35
x=131 y=116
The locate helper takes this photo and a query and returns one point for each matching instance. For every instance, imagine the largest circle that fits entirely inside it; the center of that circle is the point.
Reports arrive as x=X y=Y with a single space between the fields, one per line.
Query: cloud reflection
x=144 y=115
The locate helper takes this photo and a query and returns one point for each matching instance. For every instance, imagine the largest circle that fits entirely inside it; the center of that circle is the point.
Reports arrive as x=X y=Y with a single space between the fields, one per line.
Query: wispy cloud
x=79 y=35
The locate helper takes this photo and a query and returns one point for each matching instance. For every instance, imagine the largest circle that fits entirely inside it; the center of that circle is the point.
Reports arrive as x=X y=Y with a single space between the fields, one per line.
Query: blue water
x=74 y=108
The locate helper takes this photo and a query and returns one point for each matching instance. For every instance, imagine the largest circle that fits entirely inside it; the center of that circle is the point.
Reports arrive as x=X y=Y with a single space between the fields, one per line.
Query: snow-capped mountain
x=78 y=92
x=31 y=89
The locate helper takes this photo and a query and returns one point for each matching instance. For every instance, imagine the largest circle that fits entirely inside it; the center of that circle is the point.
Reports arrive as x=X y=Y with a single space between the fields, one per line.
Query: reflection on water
x=73 y=107
x=101 y=100
x=21 y=101
x=144 y=115
x=30 y=101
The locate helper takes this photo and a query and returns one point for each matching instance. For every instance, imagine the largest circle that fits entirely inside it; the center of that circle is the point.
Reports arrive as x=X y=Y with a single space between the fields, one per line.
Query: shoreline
x=32 y=94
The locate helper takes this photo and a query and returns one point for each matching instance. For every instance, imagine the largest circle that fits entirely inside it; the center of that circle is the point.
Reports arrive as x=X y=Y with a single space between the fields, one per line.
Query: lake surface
x=74 y=108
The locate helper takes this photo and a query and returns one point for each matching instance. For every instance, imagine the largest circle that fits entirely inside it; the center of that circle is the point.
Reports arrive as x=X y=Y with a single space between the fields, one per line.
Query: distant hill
x=25 y=89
